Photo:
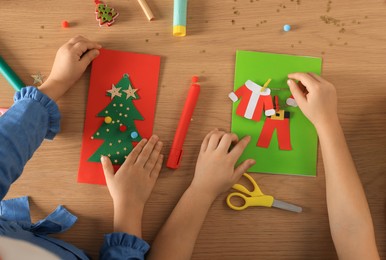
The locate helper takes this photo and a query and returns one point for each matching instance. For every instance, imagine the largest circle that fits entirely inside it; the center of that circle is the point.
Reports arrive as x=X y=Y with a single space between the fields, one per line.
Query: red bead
x=65 y=24
x=122 y=128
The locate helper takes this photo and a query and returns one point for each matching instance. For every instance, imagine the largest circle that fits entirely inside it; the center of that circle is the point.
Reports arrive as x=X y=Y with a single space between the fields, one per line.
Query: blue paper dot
x=287 y=28
x=134 y=135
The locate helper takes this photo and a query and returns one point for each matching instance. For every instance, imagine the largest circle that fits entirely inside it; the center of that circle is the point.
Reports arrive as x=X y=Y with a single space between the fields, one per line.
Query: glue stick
x=179 y=17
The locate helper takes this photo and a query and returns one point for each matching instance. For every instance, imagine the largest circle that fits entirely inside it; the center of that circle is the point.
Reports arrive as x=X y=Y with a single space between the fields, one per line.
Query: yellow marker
x=265 y=85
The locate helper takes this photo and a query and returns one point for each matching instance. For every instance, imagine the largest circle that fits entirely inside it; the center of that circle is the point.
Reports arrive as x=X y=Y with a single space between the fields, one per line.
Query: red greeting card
x=133 y=78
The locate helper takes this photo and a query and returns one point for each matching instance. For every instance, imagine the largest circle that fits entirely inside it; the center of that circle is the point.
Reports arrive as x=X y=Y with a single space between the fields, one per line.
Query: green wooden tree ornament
x=105 y=14
x=118 y=129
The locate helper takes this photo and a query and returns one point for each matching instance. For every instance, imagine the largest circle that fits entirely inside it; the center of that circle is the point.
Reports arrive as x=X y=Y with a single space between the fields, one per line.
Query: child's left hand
x=131 y=186
x=70 y=63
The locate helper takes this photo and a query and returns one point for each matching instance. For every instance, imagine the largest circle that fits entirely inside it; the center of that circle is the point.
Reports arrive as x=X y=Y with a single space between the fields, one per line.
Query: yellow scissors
x=257 y=198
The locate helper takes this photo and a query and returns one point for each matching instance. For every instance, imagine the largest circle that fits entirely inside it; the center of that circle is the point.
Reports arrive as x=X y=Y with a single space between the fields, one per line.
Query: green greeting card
x=258 y=67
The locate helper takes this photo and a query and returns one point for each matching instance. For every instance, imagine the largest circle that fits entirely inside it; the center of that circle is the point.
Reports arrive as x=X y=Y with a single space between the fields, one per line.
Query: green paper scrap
x=259 y=67
x=118 y=144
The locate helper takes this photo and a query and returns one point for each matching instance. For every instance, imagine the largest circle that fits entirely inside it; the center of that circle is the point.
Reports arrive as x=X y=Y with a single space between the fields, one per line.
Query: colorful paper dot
x=65 y=24
x=287 y=28
x=134 y=134
x=108 y=120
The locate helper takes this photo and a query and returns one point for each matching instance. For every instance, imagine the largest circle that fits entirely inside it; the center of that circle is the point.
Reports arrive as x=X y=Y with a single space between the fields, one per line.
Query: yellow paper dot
x=111 y=144
x=106 y=112
x=121 y=105
x=119 y=141
x=120 y=114
x=107 y=130
x=125 y=115
x=115 y=161
x=127 y=108
x=97 y=133
x=109 y=155
x=125 y=148
x=114 y=105
x=92 y=137
x=117 y=152
x=108 y=120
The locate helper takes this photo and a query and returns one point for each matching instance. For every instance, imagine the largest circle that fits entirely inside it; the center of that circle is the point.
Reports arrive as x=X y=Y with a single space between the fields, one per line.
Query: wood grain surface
x=353 y=48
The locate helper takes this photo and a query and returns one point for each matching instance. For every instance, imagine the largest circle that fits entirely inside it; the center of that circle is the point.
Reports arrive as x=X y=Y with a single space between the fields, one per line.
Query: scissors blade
x=286 y=206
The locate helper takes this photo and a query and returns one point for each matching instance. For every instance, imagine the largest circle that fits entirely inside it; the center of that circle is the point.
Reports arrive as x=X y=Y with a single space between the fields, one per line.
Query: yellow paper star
x=114 y=92
x=38 y=78
x=130 y=92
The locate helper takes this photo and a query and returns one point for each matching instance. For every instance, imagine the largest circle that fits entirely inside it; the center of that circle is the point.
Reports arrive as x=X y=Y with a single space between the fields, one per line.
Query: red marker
x=186 y=115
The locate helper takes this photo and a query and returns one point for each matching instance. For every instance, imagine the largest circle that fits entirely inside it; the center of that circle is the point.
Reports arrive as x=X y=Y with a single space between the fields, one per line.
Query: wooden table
x=353 y=51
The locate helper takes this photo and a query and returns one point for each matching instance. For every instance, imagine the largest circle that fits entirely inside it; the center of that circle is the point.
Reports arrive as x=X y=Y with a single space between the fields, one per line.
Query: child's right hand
x=319 y=102
x=215 y=169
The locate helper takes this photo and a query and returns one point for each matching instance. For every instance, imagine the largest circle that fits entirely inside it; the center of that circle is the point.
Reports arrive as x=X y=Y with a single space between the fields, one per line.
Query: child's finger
x=107 y=166
x=239 y=148
x=243 y=167
x=146 y=151
x=86 y=45
x=157 y=167
x=153 y=156
x=215 y=139
x=316 y=77
x=205 y=142
x=297 y=93
x=227 y=140
x=306 y=79
x=89 y=56
x=132 y=157
x=76 y=39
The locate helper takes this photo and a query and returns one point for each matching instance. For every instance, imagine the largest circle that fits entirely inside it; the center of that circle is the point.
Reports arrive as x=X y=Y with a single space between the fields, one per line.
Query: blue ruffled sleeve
x=33 y=117
x=120 y=245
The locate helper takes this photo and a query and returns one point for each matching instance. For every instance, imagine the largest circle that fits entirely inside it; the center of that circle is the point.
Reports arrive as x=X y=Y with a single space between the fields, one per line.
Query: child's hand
x=215 y=169
x=70 y=62
x=131 y=186
x=319 y=102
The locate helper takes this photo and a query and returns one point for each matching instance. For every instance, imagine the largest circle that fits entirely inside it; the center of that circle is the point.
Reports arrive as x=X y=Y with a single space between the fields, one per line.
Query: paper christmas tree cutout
x=105 y=14
x=118 y=129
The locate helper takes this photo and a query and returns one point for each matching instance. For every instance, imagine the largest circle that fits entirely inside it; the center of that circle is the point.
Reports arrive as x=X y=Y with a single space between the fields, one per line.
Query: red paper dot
x=65 y=24
x=122 y=128
x=194 y=79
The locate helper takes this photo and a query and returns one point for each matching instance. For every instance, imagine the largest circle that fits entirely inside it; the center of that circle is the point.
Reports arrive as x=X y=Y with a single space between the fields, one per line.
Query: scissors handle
x=264 y=201
x=256 y=192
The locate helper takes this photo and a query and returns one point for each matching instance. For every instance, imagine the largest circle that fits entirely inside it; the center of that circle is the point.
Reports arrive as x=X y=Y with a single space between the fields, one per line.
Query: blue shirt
x=33 y=117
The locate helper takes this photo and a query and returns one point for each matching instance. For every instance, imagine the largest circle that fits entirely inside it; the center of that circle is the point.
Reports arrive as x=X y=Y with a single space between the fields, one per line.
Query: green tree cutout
x=118 y=129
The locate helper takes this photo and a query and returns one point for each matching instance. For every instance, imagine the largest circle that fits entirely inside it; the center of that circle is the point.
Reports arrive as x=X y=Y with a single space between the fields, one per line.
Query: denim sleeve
x=33 y=117
x=120 y=245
